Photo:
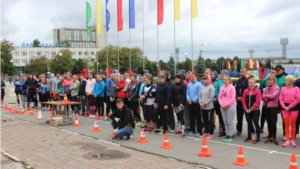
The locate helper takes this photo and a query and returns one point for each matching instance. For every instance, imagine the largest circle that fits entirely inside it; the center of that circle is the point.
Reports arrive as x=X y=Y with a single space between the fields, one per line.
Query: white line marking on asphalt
x=272 y=152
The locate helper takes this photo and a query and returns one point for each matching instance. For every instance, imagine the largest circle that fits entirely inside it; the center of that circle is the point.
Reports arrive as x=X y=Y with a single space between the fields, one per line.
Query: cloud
x=231 y=27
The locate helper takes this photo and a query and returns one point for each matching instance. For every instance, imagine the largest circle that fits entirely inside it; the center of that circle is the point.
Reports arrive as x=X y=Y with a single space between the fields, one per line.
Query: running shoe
x=209 y=137
x=238 y=133
x=204 y=135
x=275 y=142
x=225 y=139
x=155 y=131
x=257 y=141
x=268 y=141
x=106 y=117
x=100 y=117
x=86 y=116
x=147 y=129
x=178 y=132
x=182 y=134
x=247 y=140
x=138 y=124
x=162 y=132
x=286 y=144
x=293 y=144
x=191 y=133
x=229 y=140
x=198 y=135
x=130 y=136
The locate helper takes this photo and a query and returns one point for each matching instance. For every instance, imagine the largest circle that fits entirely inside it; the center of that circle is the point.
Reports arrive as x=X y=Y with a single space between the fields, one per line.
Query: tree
x=187 y=64
x=79 y=64
x=7 y=67
x=162 y=65
x=219 y=62
x=290 y=61
x=200 y=66
x=268 y=63
x=170 y=66
x=37 y=65
x=66 y=41
x=36 y=43
x=62 y=63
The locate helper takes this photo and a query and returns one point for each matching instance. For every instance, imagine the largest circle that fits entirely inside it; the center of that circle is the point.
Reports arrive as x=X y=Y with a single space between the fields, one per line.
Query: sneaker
x=100 y=117
x=130 y=136
x=286 y=144
x=121 y=138
x=106 y=117
x=229 y=140
x=275 y=142
x=293 y=144
x=178 y=132
x=238 y=133
x=222 y=134
x=268 y=141
x=172 y=131
x=86 y=116
x=247 y=140
x=182 y=134
x=90 y=116
x=156 y=131
x=151 y=129
x=204 y=134
x=191 y=133
x=198 y=135
x=80 y=114
x=225 y=139
x=257 y=141
x=266 y=136
x=162 y=132
x=144 y=126
x=209 y=137
x=147 y=129
x=138 y=124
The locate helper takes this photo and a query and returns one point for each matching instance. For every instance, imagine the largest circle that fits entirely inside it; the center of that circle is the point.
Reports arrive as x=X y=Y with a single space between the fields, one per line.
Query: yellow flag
x=98 y=16
x=176 y=10
x=194 y=8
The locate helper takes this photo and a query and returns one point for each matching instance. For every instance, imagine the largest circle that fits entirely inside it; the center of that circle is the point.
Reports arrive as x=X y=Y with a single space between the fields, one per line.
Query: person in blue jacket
x=18 y=89
x=192 y=97
x=23 y=92
x=108 y=86
x=43 y=90
x=99 y=96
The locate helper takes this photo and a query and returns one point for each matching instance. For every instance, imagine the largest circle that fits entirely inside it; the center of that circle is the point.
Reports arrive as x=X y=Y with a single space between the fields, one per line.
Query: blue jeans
x=121 y=132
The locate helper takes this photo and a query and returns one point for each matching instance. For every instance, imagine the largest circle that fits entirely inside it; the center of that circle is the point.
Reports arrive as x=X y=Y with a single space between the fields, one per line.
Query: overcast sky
x=231 y=27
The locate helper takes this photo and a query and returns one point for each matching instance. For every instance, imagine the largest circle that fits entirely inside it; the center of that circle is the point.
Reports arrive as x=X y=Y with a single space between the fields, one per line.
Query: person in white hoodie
x=206 y=99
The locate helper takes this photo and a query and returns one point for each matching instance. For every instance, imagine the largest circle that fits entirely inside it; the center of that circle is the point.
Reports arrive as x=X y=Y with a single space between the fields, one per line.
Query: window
x=79 y=53
x=23 y=60
x=46 y=53
x=74 y=53
x=92 y=53
x=53 y=53
x=24 y=53
x=85 y=53
x=31 y=53
x=15 y=53
x=16 y=61
x=38 y=53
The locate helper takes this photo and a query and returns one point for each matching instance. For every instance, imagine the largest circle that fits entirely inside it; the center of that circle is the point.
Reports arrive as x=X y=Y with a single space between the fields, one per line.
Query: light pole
x=97 y=67
x=202 y=51
x=60 y=54
x=185 y=54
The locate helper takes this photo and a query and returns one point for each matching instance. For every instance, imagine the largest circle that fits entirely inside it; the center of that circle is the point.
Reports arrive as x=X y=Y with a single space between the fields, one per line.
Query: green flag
x=88 y=17
x=242 y=63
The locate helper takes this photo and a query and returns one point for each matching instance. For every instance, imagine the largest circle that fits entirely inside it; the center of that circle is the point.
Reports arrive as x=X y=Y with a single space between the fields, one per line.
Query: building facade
x=79 y=38
x=22 y=55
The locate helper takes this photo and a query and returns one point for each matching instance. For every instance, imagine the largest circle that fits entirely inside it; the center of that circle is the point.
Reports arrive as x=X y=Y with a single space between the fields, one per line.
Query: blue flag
x=131 y=14
x=222 y=64
x=107 y=17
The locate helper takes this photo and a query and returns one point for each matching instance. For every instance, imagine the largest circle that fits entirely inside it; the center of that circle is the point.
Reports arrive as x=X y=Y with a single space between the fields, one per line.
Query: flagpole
x=157 y=48
x=129 y=52
x=192 y=40
x=118 y=54
x=175 y=61
x=144 y=38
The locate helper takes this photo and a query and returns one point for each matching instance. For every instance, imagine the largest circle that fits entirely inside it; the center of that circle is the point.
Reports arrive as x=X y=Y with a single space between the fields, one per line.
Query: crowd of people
x=195 y=101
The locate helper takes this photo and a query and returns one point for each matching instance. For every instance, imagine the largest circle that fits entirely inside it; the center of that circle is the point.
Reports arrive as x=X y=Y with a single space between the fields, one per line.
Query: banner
x=120 y=15
x=98 y=17
x=176 y=10
x=194 y=8
x=131 y=14
x=160 y=11
x=88 y=17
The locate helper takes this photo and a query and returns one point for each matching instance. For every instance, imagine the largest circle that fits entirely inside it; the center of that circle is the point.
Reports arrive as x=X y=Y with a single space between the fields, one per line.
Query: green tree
x=290 y=61
x=208 y=63
x=268 y=63
x=36 y=43
x=66 y=41
x=7 y=67
x=62 y=63
x=170 y=66
x=79 y=64
x=37 y=65
x=200 y=66
x=219 y=62
x=187 y=65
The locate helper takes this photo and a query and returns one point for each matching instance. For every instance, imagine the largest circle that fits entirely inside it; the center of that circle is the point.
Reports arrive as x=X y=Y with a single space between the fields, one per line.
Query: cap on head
x=226 y=72
x=129 y=71
x=278 y=67
x=48 y=73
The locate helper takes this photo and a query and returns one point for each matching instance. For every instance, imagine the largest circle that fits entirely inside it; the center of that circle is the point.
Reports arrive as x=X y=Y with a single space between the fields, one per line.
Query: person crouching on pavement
x=122 y=121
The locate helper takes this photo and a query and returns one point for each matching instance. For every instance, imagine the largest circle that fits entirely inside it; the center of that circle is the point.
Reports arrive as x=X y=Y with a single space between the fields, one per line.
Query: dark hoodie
x=179 y=93
x=251 y=98
x=126 y=118
x=215 y=80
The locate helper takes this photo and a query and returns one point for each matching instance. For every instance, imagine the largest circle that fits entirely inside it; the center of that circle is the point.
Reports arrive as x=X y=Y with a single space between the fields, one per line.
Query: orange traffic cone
x=40 y=117
x=112 y=135
x=30 y=112
x=51 y=113
x=96 y=127
x=293 y=163
x=240 y=158
x=76 y=122
x=9 y=108
x=6 y=107
x=166 y=144
x=65 y=99
x=204 y=151
x=22 y=111
x=15 y=110
x=143 y=137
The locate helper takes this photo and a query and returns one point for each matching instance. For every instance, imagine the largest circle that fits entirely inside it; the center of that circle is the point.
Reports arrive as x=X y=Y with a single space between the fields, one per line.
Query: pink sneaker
x=286 y=144
x=204 y=135
x=101 y=117
x=293 y=143
x=209 y=137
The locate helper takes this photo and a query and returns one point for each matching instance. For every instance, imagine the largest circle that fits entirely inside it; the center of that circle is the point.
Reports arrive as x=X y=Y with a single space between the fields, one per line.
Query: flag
x=234 y=64
x=250 y=64
x=88 y=17
x=131 y=14
x=256 y=64
x=242 y=63
x=271 y=64
x=120 y=16
x=222 y=64
x=107 y=17
x=194 y=8
x=160 y=11
x=228 y=65
x=98 y=16
x=176 y=10
x=146 y=12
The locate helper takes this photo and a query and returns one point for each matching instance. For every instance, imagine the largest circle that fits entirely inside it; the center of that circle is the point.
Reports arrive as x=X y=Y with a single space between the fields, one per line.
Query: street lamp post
x=60 y=54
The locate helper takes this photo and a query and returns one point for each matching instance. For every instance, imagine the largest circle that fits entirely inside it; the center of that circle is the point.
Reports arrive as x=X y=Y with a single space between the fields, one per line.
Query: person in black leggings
x=133 y=98
x=99 y=96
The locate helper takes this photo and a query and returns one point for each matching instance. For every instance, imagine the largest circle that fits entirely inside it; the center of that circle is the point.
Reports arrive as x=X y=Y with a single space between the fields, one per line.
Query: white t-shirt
x=150 y=101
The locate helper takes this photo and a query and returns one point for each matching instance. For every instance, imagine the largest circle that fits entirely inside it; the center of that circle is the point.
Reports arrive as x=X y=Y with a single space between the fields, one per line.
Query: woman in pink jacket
x=227 y=102
x=270 y=98
x=289 y=99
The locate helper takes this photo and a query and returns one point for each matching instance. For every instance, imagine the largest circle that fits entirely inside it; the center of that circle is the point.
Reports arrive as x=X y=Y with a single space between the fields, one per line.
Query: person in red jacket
x=251 y=102
x=122 y=89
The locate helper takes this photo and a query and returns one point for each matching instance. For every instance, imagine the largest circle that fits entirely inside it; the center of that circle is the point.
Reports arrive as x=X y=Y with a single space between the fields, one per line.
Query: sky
x=222 y=28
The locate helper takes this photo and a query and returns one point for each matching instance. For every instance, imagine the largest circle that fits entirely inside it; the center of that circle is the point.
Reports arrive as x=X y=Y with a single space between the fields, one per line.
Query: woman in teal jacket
x=99 y=96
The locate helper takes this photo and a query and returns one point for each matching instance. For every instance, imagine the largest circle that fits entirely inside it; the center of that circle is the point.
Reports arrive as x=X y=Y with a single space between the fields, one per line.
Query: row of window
x=79 y=36
x=24 y=61
x=46 y=53
x=83 y=45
